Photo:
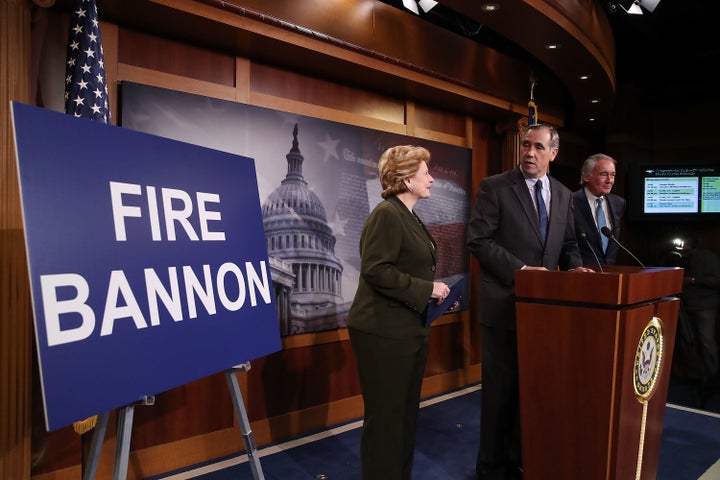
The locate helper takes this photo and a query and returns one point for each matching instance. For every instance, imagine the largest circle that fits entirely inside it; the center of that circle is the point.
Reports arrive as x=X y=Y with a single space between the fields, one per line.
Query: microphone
x=608 y=233
x=597 y=260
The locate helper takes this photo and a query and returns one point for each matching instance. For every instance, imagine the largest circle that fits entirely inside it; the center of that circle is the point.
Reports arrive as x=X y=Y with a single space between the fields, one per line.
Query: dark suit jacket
x=585 y=222
x=397 y=268
x=504 y=235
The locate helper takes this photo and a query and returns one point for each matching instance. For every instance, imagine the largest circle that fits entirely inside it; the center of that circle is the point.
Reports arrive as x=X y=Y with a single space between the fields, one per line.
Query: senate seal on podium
x=648 y=359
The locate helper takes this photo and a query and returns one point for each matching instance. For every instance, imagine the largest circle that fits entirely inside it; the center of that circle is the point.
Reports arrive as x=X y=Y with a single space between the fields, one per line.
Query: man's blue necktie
x=601 y=223
x=542 y=211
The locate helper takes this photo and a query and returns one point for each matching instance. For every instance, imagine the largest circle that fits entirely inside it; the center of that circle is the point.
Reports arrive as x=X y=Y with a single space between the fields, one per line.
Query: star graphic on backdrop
x=338 y=225
x=329 y=146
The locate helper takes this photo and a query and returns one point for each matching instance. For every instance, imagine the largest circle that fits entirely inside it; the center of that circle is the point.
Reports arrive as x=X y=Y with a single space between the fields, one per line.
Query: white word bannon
x=121 y=301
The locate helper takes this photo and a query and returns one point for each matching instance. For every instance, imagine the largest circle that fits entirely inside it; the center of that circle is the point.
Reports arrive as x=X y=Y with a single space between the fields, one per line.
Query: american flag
x=86 y=93
x=532 y=113
x=532 y=108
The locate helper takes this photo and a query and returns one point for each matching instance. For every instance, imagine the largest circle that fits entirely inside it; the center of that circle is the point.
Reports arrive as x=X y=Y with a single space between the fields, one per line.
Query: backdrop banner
x=318 y=182
x=147 y=259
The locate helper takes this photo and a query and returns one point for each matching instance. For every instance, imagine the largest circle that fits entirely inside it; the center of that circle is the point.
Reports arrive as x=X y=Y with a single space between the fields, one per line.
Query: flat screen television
x=673 y=192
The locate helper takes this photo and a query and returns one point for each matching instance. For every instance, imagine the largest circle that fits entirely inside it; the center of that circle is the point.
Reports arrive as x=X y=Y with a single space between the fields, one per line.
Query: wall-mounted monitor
x=673 y=192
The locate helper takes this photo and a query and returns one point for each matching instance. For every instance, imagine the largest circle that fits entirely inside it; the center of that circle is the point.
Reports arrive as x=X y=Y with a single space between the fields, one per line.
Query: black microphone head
x=607 y=232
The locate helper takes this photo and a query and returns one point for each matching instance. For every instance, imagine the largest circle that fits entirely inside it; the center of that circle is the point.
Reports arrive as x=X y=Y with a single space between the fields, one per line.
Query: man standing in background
x=699 y=303
x=597 y=207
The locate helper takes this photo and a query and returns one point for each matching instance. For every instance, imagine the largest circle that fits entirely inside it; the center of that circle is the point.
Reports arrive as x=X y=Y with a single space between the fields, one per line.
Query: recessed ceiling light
x=412 y=6
x=591 y=119
x=584 y=77
x=594 y=100
x=490 y=7
x=427 y=5
x=632 y=7
x=553 y=46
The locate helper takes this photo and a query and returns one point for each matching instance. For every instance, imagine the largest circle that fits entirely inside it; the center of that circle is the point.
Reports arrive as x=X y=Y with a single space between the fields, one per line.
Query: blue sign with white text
x=147 y=259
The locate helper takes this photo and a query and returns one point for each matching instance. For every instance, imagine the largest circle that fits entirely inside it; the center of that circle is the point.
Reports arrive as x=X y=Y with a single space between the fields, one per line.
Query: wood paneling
x=15 y=315
x=192 y=409
x=156 y=53
x=428 y=118
x=281 y=83
x=446 y=349
x=301 y=378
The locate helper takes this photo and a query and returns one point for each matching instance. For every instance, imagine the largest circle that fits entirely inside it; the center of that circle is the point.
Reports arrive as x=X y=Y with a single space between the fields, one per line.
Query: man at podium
x=521 y=219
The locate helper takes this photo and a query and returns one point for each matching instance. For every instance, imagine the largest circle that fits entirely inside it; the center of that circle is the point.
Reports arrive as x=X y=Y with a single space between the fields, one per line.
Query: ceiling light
x=633 y=6
x=633 y=9
x=553 y=46
x=426 y=5
x=490 y=7
x=584 y=76
x=412 y=6
x=648 y=5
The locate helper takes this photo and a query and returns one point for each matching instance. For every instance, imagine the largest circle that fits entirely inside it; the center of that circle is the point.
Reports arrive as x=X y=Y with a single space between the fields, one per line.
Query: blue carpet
x=447 y=442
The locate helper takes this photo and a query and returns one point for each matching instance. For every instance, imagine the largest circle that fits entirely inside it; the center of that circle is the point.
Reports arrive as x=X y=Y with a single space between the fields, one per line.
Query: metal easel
x=242 y=417
x=122 y=447
x=125 y=420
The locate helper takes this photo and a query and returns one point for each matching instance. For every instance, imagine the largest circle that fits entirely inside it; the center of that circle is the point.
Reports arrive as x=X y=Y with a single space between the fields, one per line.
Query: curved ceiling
x=583 y=62
x=492 y=71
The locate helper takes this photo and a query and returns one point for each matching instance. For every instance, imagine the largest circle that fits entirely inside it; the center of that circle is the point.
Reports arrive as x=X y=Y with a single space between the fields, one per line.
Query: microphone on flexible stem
x=597 y=260
x=608 y=233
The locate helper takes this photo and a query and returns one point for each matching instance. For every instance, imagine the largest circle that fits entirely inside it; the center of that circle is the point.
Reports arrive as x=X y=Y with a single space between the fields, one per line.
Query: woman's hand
x=440 y=291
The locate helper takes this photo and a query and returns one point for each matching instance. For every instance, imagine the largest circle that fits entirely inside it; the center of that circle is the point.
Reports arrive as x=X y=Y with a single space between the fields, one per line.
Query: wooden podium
x=579 y=335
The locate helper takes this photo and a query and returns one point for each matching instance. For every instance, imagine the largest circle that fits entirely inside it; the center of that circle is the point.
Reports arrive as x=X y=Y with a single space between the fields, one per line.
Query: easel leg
x=90 y=468
x=122 y=448
x=243 y=420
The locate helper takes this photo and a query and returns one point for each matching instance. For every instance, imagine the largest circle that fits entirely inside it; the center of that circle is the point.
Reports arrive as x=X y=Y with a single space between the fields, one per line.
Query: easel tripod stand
x=125 y=419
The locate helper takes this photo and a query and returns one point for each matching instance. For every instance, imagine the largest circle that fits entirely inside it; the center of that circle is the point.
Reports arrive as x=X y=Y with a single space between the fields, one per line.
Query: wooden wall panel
x=196 y=408
x=15 y=314
x=301 y=378
x=429 y=118
x=446 y=349
x=168 y=56
x=294 y=86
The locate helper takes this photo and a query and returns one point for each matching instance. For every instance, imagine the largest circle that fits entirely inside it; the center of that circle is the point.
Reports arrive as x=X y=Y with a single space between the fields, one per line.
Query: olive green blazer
x=398 y=257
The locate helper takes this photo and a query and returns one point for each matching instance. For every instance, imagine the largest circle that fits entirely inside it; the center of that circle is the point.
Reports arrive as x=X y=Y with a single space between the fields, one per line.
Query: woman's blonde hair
x=398 y=163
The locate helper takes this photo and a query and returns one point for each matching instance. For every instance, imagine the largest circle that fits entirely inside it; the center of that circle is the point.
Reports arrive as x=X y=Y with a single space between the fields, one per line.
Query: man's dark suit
x=504 y=235
x=585 y=222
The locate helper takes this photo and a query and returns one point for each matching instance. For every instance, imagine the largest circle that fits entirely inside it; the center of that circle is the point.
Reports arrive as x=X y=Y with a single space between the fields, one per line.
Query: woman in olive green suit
x=385 y=323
